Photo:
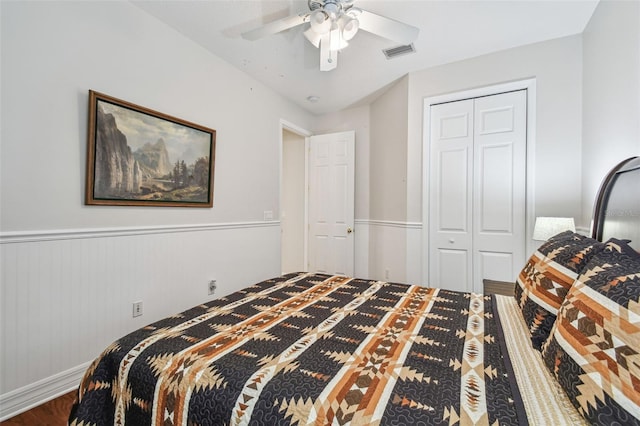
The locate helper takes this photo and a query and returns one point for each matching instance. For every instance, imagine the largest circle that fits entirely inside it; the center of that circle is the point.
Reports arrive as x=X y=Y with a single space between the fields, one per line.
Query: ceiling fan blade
x=387 y=27
x=275 y=27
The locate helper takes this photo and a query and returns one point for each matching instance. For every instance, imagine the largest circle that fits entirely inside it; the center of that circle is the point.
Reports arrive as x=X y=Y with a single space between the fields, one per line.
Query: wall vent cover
x=393 y=52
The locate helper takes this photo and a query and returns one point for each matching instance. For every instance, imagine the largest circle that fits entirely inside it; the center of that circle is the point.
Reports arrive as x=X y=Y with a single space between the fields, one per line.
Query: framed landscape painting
x=140 y=157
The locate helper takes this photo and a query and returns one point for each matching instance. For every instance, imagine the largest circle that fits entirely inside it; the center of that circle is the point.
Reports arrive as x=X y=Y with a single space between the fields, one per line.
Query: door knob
x=349 y=230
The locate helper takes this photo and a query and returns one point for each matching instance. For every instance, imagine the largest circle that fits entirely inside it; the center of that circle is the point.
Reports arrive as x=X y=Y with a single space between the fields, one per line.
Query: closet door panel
x=499 y=187
x=450 y=198
x=495 y=189
x=453 y=207
x=449 y=271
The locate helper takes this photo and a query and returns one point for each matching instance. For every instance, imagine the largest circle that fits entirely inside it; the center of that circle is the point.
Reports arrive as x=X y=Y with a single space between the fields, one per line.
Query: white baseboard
x=34 y=394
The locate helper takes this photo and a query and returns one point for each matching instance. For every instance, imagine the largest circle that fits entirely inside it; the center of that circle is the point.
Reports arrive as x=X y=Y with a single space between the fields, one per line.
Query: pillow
x=546 y=278
x=594 y=348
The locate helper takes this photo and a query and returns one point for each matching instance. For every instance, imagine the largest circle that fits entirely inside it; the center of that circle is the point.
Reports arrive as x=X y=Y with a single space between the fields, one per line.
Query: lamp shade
x=547 y=227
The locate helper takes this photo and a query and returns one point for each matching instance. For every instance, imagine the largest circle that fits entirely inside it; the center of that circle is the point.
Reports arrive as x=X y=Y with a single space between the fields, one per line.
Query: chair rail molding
x=71 y=234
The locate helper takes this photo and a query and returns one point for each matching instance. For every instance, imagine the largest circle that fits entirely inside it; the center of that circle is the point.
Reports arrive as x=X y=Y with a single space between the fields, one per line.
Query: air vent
x=398 y=51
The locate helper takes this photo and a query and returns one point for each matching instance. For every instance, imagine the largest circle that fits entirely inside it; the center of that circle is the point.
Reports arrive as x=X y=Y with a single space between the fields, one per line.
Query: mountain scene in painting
x=144 y=158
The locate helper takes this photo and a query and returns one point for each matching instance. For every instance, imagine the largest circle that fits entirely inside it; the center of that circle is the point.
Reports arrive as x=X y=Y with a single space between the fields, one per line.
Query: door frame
x=306 y=134
x=527 y=84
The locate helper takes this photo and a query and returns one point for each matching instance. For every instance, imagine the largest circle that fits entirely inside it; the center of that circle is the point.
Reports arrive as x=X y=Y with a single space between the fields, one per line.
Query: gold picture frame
x=140 y=157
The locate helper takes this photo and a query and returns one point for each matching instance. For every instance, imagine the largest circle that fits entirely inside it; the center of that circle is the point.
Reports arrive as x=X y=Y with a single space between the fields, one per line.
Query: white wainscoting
x=66 y=295
x=361 y=260
x=394 y=250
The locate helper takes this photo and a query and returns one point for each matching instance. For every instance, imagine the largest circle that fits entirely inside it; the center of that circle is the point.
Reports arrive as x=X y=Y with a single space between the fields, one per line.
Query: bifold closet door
x=477 y=191
x=450 y=199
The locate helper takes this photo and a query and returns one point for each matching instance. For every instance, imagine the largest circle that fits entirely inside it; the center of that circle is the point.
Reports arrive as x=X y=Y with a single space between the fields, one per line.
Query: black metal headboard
x=617 y=209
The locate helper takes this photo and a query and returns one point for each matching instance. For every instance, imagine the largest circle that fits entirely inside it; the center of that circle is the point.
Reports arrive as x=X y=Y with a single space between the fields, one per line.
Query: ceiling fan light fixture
x=337 y=42
x=320 y=22
x=349 y=26
x=313 y=37
x=332 y=9
x=332 y=24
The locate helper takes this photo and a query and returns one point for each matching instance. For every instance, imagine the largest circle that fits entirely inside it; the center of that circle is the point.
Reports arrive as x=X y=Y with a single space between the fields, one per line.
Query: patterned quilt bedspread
x=312 y=349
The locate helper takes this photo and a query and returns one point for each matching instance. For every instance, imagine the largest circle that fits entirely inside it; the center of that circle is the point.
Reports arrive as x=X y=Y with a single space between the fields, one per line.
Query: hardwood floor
x=52 y=413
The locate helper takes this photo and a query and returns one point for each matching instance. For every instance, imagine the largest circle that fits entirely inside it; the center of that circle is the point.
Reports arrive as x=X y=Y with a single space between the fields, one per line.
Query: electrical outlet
x=386 y=273
x=137 y=309
x=212 y=286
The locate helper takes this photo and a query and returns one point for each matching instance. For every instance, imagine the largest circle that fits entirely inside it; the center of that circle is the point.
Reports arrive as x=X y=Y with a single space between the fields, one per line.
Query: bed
x=314 y=349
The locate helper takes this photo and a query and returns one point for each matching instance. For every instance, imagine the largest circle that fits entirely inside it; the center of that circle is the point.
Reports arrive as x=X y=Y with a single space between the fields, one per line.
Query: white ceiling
x=450 y=30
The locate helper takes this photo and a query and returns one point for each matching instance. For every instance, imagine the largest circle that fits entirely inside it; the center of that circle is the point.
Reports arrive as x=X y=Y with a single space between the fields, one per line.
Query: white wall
x=54 y=52
x=557 y=67
x=388 y=174
x=292 y=216
x=611 y=92
x=70 y=272
x=394 y=223
x=389 y=153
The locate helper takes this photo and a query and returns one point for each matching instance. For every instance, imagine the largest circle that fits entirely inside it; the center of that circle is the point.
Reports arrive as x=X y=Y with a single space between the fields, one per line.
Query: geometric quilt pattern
x=309 y=349
x=546 y=278
x=594 y=350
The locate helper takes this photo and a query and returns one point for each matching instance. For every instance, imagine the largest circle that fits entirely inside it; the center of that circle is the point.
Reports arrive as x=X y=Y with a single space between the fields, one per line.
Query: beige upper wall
x=44 y=60
x=557 y=67
x=388 y=174
x=391 y=132
x=587 y=112
x=54 y=52
x=611 y=93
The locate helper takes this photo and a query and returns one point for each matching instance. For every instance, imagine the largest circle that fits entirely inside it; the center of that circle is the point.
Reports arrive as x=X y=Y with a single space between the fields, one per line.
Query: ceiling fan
x=332 y=23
